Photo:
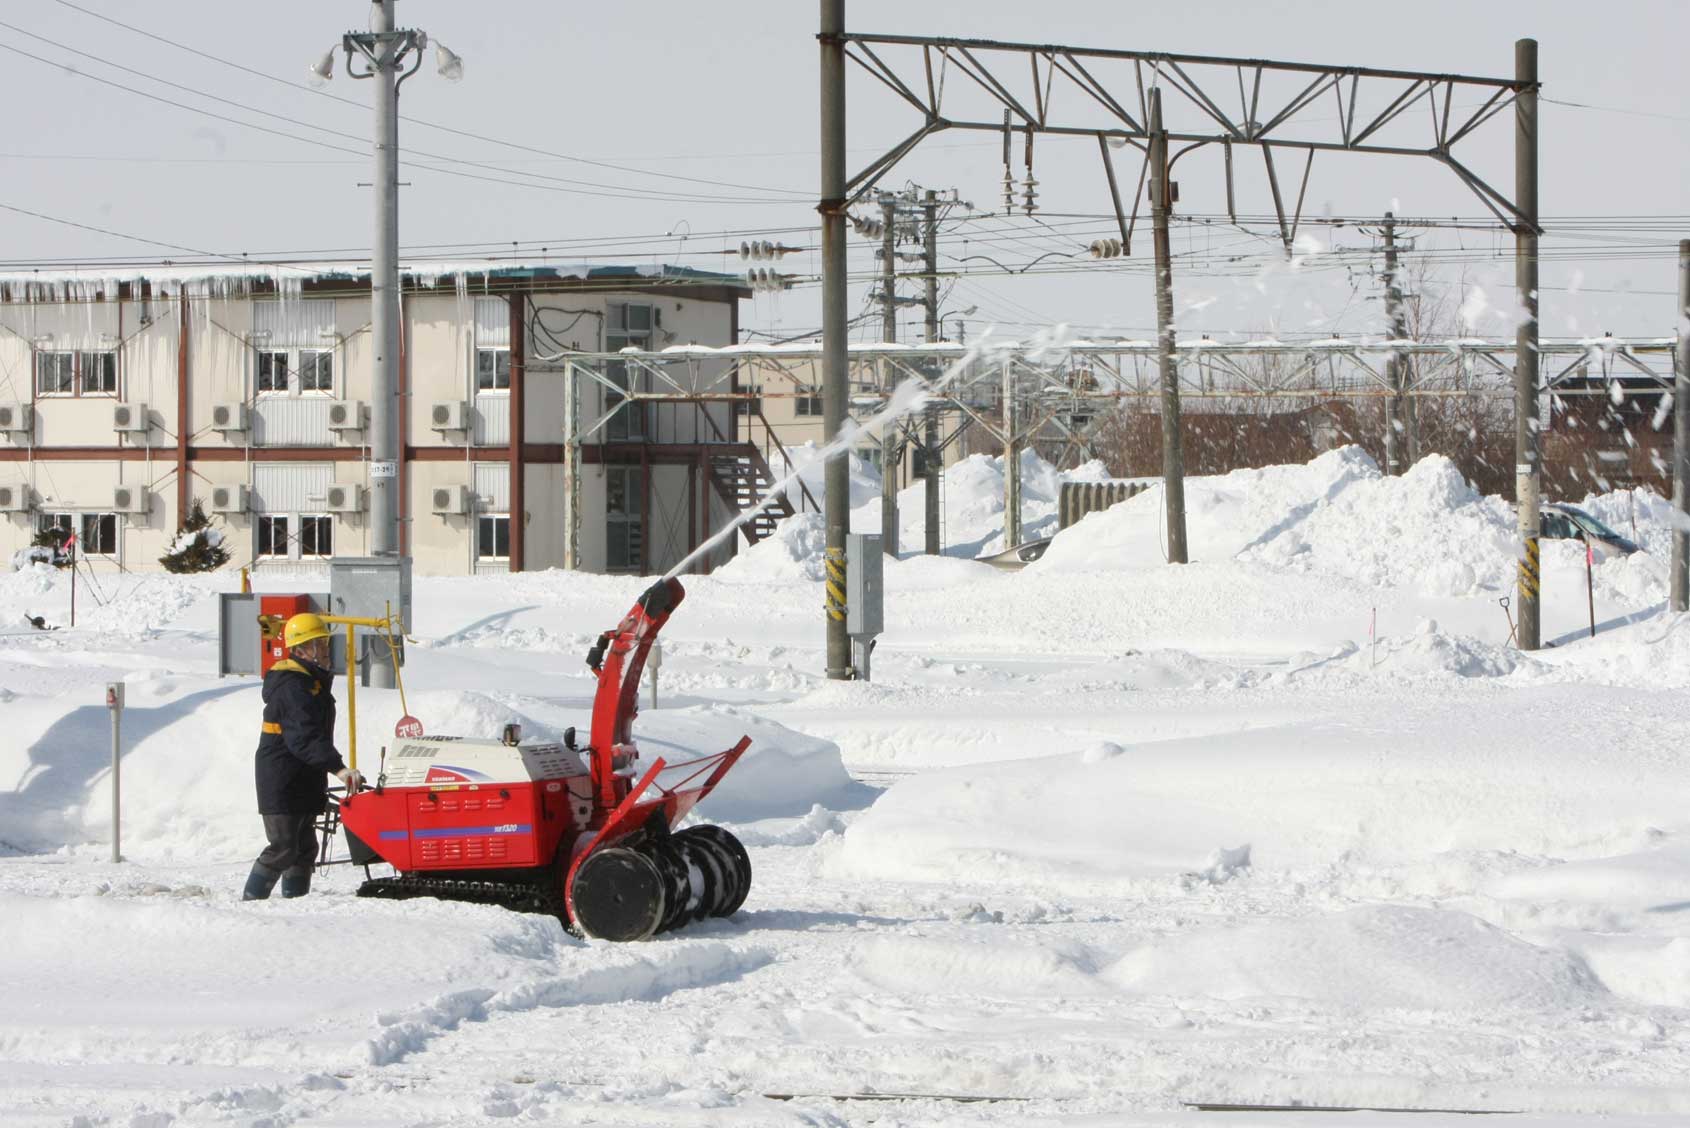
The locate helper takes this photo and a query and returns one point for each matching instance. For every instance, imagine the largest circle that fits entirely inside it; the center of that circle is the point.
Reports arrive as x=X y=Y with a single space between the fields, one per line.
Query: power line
x=419 y=121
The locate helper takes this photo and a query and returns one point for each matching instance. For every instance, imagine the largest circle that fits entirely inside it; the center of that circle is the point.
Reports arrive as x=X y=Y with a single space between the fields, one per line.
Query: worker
x=296 y=755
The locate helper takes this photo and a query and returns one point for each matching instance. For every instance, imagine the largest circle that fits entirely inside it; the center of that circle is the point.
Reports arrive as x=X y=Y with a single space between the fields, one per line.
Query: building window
x=272 y=371
x=99 y=534
x=492 y=370
x=623 y=532
x=749 y=407
x=281 y=371
x=97 y=372
x=316 y=370
x=810 y=401
x=493 y=536
x=65 y=373
x=316 y=535
x=272 y=536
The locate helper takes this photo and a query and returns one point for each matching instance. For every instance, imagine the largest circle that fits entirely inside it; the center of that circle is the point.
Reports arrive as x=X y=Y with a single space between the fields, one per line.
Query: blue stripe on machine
x=475 y=831
x=389 y=835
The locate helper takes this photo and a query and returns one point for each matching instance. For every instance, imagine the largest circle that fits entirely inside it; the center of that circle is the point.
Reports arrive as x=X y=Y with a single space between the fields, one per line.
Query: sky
x=669 y=132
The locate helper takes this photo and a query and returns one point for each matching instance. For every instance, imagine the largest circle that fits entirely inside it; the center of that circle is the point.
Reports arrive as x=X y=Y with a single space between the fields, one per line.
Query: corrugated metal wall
x=300 y=323
x=291 y=421
x=493 y=486
x=290 y=487
x=492 y=323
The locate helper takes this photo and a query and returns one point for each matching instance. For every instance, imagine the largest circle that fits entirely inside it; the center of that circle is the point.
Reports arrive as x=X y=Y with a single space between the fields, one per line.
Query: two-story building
x=125 y=398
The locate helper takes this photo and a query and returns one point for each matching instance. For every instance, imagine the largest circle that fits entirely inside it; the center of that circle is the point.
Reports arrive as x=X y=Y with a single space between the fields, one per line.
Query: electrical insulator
x=763 y=280
x=1030 y=195
x=1008 y=191
x=1106 y=248
x=870 y=228
x=763 y=250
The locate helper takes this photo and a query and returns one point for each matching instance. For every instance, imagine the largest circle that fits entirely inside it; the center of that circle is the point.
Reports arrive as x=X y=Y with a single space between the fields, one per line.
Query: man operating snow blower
x=296 y=754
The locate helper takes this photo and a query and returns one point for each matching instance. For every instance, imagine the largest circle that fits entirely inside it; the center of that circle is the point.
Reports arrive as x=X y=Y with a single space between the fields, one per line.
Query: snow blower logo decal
x=445 y=773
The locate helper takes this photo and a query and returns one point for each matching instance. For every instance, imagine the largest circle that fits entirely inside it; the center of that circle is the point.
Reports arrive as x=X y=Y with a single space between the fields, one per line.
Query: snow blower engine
x=579 y=833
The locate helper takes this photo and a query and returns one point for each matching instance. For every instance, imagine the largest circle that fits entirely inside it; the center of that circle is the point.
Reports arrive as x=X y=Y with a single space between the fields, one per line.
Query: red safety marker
x=408 y=727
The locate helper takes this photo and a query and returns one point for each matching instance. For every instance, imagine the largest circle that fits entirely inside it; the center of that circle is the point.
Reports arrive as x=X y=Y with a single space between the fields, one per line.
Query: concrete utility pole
x=889 y=332
x=836 y=497
x=930 y=456
x=1396 y=363
x=1681 y=441
x=1173 y=461
x=1527 y=473
x=1011 y=461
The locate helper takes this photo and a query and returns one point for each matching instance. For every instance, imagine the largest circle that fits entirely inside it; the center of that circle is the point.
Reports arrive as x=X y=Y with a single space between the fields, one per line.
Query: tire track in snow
x=639 y=978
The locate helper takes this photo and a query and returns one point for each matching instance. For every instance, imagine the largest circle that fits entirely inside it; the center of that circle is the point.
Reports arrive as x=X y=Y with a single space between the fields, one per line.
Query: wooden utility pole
x=930 y=458
x=1173 y=460
x=1681 y=441
x=1527 y=473
x=1396 y=364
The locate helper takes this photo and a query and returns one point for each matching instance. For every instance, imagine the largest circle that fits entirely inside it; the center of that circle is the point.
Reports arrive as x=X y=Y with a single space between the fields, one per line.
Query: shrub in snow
x=48 y=547
x=198 y=547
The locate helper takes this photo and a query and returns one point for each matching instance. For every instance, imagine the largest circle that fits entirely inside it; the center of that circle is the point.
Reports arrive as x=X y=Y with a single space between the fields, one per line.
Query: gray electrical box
x=863 y=587
x=239 y=646
x=368 y=587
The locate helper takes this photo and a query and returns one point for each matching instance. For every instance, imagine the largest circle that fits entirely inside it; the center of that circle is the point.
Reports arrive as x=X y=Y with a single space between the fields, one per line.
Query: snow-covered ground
x=1292 y=824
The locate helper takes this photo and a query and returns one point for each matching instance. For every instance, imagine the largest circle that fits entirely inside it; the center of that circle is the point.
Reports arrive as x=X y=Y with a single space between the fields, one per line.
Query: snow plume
x=1473 y=308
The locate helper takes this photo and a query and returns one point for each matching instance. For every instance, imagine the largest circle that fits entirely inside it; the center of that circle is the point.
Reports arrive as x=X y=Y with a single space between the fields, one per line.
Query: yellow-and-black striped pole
x=835 y=584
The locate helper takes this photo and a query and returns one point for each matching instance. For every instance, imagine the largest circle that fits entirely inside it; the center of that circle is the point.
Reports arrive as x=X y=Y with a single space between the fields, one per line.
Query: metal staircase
x=742 y=478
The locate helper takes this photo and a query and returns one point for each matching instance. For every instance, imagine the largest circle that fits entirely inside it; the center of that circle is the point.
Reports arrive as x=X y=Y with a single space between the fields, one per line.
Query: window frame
x=492 y=521
x=264 y=524
x=101 y=521
x=495 y=388
x=808 y=404
x=318 y=522
x=317 y=356
x=71 y=379
x=294 y=359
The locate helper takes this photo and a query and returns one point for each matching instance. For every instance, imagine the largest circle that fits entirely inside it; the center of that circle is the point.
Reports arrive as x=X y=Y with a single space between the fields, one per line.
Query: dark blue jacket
x=296 y=752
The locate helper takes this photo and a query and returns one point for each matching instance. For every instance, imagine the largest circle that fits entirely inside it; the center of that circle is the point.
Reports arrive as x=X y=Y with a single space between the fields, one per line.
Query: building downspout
x=184 y=494
x=519 y=414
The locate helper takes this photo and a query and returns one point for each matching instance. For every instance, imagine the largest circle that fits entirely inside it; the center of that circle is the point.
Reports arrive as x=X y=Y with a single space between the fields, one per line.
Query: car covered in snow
x=1569 y=522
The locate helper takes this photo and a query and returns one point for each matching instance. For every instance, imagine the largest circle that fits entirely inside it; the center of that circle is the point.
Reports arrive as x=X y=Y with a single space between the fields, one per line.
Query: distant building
x=122 y=399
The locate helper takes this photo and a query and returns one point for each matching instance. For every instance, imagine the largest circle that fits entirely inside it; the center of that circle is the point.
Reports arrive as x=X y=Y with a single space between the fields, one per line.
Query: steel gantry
x=1167 y=105
x=1014 y=392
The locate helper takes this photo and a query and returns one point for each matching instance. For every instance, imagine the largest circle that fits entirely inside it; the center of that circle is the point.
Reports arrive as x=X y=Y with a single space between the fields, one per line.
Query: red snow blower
x=579 y=833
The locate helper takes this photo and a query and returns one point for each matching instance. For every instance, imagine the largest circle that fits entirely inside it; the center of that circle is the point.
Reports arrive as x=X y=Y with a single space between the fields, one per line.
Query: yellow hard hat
x=304 y=627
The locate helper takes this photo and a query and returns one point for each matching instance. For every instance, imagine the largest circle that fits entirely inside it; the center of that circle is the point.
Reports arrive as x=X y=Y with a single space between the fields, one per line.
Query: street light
x=390 y=55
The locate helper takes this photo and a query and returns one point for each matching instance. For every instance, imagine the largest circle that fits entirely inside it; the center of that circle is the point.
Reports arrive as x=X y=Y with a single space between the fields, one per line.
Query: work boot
x=296 y=884
x=259 y=883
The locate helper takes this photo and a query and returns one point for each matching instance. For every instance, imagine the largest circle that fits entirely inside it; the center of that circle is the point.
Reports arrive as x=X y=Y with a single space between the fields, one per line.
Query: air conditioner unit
x=131 y=499
x=16 y=416
x=228 y=499
x=129 y=417
x=344 y=498
x=452 y=500
x=449 y=415
x=15 y=499
x=347 y=415
x=228 y=417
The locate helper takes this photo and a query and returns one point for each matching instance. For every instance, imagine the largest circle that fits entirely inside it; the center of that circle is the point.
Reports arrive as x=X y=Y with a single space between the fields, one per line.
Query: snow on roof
x=239 y=279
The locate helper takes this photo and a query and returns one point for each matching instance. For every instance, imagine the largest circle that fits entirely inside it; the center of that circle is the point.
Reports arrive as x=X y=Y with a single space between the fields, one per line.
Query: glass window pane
x=639 y=318
x=502 y=533
x=484 y=536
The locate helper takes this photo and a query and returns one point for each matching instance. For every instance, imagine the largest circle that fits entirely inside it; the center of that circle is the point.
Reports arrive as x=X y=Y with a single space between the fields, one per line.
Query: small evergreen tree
x=198 y=547
x=53 y=539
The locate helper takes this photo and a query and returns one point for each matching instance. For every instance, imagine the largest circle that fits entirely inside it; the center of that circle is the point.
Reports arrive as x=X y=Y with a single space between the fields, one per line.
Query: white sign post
x=114 y=703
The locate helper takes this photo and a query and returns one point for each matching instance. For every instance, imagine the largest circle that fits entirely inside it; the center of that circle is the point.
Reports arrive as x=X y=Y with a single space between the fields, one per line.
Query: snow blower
x=579 y=833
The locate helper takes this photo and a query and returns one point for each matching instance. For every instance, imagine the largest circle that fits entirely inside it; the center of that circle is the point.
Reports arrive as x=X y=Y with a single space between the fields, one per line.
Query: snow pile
x=1383 y=956
x=806 y=459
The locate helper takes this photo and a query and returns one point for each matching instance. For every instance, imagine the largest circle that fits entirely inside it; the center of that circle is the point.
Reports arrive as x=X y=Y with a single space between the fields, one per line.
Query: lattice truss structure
x=1290 y=110
x=1015 y=391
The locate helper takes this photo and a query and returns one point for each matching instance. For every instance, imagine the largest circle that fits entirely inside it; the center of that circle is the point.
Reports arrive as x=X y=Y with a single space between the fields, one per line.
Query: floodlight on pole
x=323 y=69
x=448 y=63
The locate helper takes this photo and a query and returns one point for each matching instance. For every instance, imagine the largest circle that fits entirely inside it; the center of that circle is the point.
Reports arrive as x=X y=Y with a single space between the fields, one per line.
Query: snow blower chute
x=580 y=833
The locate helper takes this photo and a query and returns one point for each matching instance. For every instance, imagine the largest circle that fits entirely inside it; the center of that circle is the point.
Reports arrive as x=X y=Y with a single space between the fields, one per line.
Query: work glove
x=352 y=778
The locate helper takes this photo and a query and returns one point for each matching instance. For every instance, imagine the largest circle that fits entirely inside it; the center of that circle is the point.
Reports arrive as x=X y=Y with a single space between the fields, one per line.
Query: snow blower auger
x=553 y=828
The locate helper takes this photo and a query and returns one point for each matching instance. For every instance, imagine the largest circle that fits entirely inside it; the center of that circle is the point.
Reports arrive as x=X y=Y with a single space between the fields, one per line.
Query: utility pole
x=930 y=457
x=836 y=497
x=1527 y=473
x=889 y=453
x=390 y=56
x=1394 y=364
x=1011 y=460
x=1173 y=462
x=1681 y=441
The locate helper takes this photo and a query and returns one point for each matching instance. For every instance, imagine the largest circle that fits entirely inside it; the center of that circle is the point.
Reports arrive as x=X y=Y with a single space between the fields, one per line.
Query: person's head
x=307 y=638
